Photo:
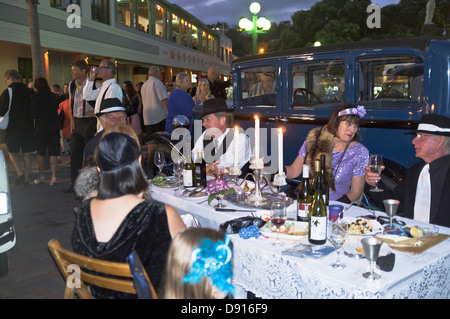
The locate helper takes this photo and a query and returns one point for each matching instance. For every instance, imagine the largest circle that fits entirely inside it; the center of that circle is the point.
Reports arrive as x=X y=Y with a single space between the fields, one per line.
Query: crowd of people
x=102 y=126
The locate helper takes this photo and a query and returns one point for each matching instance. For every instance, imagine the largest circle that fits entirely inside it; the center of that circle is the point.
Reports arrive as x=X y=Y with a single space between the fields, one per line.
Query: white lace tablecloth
x=261 y=268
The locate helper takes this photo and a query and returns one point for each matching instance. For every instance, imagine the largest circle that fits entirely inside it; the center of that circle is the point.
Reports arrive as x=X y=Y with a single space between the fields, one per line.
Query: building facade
x=134 y=33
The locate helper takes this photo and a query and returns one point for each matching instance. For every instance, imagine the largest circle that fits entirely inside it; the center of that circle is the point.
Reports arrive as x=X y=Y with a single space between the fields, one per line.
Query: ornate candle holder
x=235 y=171
x=256 y=198
x=279 y=180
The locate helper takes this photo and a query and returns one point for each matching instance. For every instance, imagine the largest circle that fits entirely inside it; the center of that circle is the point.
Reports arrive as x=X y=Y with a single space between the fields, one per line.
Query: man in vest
x=84 y=122
x=217 y=142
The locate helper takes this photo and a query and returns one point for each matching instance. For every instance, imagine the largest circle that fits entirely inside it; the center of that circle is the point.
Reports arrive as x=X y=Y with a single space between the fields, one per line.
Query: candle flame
x=256 y=117
x=280 y=130
x=236 y=128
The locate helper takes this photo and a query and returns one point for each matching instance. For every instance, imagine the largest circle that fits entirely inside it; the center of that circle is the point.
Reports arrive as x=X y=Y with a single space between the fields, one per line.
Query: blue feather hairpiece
x=213 y=260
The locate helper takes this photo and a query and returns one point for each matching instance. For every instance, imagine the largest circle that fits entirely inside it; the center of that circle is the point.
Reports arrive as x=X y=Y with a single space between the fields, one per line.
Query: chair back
x=142 y=284
x=67 y=261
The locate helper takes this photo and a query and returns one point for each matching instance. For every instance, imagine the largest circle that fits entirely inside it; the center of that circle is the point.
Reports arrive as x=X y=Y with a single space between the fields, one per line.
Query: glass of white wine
x=178 y=167
x=376 y=166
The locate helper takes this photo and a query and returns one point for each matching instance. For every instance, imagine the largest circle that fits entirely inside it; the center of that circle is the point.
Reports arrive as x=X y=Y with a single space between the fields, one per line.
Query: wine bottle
x=325 y=182
x=317 y=232
x=304 y=196
x=188 y=172
x=200 y=170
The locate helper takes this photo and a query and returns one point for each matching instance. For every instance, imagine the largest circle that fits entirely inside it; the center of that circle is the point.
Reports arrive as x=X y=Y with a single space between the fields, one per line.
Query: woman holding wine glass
x=345 y=157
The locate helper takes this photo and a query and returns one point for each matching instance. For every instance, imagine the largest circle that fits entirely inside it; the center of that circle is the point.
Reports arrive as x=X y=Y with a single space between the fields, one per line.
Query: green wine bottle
x=325 y=182
x=188 y=172
x=317 y=232
x=304 y=196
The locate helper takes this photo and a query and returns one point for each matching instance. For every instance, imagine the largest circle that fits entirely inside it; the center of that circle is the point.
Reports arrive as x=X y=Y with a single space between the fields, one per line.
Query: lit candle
x=280 y=151
x=236 y=137
x=256 y=136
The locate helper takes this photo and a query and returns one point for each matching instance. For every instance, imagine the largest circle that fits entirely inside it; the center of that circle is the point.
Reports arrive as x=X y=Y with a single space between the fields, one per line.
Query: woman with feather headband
x=345 y=157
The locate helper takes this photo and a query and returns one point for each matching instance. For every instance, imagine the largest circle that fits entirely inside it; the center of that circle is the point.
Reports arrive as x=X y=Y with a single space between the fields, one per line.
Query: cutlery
x=234 y=210
x=195 y=192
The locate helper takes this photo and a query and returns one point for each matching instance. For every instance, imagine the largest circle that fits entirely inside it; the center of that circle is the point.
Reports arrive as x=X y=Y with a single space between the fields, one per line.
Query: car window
x=394 y=82
x=318 y=83
x=258 y=86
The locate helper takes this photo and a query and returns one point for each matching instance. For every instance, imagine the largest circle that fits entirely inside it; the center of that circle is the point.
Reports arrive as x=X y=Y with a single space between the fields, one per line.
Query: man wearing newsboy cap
x=425 y=193
x=217 y=142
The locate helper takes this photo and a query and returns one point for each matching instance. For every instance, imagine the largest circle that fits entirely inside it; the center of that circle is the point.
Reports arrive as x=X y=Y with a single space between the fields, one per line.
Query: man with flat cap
x=111 y=112
x=217 y=141
x=425 y=193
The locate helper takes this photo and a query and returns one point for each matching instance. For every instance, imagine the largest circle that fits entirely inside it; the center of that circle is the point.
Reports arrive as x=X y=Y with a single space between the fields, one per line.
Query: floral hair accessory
x=359 y=110
x=212 y=259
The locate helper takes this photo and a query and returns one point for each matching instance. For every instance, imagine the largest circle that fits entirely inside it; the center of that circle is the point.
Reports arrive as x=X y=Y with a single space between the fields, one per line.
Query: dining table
x=267 y=271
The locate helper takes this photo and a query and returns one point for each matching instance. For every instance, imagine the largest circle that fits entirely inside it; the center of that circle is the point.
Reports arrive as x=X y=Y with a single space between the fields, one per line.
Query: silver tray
x=241 y=199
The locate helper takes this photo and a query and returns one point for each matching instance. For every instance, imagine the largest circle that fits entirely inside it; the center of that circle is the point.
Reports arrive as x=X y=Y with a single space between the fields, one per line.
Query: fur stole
x=320 y=141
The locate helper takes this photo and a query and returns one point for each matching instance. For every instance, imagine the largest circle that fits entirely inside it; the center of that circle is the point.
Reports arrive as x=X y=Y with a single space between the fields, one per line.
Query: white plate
x=171 y=182
x=201 y=195
x=376 y=226
x=354 y=249
x=268 y=228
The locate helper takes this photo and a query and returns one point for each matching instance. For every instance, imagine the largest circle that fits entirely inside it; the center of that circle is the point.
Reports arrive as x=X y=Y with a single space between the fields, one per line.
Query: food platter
x=290 y=230
x=360 y=226
x=165 y=182
x=242 y=200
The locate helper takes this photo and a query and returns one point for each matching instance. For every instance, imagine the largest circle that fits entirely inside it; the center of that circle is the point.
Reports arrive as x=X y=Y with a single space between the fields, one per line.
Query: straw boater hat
x=433 y=124
x=110 y=105
x=214 y=105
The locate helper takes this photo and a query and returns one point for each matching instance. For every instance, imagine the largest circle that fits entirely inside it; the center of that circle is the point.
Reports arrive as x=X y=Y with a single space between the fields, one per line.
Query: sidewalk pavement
x=40 y=213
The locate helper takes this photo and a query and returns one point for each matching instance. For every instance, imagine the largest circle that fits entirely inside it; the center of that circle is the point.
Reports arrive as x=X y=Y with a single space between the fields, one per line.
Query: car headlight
x=4 y=203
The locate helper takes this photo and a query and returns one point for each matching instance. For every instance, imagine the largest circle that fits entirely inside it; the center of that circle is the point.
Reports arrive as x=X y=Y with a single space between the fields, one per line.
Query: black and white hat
x=433 y=124
x=110 y=105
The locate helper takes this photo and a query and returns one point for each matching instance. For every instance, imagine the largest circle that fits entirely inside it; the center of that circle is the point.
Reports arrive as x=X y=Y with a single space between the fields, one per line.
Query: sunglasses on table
x=384 y=220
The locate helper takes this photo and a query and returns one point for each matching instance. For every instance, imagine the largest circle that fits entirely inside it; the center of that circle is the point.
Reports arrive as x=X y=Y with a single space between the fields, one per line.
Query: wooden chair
x=64 y=258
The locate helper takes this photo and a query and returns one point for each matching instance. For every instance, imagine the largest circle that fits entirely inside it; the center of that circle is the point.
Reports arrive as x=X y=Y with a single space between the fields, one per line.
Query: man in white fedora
x=425 y=193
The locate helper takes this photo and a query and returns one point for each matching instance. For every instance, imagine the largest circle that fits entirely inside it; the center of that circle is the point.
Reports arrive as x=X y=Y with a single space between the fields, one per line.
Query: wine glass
x=159 y=160
x=376 y=166
x=278 y=218
x=219 y=174
x=371 y=247
x=337 y=237
x=178 y=167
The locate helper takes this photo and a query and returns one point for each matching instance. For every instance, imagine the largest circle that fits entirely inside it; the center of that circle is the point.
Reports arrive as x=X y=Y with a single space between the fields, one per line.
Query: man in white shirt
x=154 y=105
x=109 y=89
x=217 y=142
x=84 y=122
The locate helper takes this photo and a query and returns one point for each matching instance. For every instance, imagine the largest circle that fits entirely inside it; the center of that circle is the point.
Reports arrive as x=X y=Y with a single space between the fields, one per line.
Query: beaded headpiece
x=213 y=260
x=359 y=110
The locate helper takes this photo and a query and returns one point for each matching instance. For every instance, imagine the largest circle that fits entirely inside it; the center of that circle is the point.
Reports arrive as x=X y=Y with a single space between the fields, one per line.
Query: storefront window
x=176 y=29
x=143 y=19
x=194 y=37
x=100 y=11
x=63 y=4
x=160 y=25
x=204 y=41
x=124 y=9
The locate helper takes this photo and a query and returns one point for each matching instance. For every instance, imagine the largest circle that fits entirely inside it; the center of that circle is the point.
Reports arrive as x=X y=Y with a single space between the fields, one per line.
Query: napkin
x=386 y=263
x=249 y=232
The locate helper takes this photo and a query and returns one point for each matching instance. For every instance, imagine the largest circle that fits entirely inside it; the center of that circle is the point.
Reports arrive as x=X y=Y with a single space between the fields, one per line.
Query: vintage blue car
x=396 y=80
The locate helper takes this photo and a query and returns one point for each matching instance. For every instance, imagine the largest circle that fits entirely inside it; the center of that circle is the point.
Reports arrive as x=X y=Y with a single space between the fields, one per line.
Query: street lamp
x=260 y=25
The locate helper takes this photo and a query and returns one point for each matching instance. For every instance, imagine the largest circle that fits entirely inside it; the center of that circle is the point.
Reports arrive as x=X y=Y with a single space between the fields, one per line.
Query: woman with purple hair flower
x=345 y=157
